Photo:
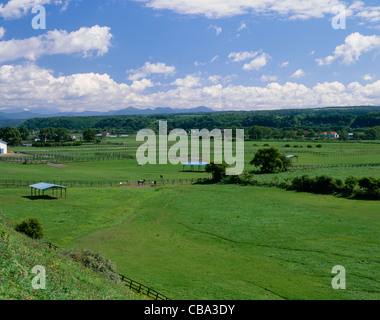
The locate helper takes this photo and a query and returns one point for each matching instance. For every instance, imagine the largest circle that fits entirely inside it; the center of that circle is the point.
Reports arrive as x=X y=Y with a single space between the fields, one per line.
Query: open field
x=213 y=241
x=248 y=243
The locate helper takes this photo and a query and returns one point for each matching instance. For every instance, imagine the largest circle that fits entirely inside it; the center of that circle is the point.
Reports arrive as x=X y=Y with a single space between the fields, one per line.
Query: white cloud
x=141 y=85
x=14 y=9
x=197 y=63
x=285 y=64
x=295 y=9
x=368 y=77
x=150 y=68
x=354 y=46
x=214 y=79
x=30 y=86
x=298 y=74
x=242 y=26
x=242 y=56
x=214 y=59
x=288 y=9
x=266 y=78
x=217 y=29
x=2 y=32
x=17 y=8
x=189 y=81
x=257 y=63
x=85 y=41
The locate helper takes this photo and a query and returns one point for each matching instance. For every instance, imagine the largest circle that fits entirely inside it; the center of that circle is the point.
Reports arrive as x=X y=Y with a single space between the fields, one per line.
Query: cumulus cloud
x=368 y=77
x=150 y=68
x=242 y=56
x=285 y=64
x=289 y=9
x=14 y=9
x=266 y=78
x=295 y=9
x=354 y=46
x=257 y=63
x=30 y=86
x=2 y=32
x=298 y=74
x=189 y=81
x=85 y=41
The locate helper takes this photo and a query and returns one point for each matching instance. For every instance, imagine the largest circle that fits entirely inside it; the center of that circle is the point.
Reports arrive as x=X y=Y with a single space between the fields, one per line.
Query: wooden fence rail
x=132 y=284
x=113 y=183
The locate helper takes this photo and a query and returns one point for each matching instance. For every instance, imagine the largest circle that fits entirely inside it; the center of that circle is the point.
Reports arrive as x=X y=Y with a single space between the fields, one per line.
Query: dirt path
x=166 y=205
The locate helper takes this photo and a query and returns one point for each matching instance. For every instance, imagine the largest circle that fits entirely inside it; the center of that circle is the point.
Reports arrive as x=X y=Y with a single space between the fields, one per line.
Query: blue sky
x=227 y=55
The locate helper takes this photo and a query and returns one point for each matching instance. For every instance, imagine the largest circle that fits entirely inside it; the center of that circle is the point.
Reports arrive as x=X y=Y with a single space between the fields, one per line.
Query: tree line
x=334 y=119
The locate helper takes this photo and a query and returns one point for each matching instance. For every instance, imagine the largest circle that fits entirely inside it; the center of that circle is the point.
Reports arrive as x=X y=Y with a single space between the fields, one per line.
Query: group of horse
x=153 y=183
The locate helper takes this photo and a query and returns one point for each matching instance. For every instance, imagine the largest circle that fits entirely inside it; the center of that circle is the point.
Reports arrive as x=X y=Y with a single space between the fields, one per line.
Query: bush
x=96 y=262
x=319 y=146
x=309 y=146
x=371 y=187
x=218 y=171
x=31 y=227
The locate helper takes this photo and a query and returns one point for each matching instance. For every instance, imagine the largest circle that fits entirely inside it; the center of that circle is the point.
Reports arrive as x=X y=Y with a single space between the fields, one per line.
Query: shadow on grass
x=40 y=198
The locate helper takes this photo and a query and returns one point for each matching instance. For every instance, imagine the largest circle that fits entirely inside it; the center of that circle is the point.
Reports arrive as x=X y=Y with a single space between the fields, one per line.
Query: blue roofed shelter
x=193 y=164
x=38 y=189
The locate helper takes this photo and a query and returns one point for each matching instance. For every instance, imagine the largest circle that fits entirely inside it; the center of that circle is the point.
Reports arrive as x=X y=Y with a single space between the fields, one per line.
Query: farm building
x=3 y=147
x=332 y=134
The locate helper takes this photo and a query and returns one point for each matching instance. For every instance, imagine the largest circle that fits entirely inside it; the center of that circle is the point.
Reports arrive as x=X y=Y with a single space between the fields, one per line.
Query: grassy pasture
x=248 y=243
x=214 y=241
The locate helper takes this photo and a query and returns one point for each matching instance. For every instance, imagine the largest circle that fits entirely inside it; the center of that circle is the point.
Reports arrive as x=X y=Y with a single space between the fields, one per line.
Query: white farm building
x=3 y=147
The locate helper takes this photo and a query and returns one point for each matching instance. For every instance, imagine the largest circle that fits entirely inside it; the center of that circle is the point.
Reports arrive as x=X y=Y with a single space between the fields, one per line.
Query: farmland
x=247 y=243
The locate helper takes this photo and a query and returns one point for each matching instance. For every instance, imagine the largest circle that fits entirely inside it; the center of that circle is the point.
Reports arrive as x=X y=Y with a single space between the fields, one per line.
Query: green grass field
x=216 y=241
x=248 y=243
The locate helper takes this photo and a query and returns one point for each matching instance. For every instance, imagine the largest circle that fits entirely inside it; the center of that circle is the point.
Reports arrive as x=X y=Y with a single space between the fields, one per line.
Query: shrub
x=287 y=146
x=319 y=146
x=324 y=185
x=309 y=146
x=31 y=227
x=96 y=262
x=303 y=183
x=218 y=171
x=371 y=186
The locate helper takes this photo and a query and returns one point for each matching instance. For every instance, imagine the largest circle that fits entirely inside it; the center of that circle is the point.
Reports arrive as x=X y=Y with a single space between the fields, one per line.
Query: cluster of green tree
x=54 y=134
x=13 y=136
x=365 y=188
x=319 y=120
x=269 y=160
x=39 y=144
x=369 y=187
x=260 y=133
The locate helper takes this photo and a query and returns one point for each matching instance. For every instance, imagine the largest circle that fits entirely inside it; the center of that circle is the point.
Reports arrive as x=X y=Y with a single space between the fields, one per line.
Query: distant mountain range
x=12 y=114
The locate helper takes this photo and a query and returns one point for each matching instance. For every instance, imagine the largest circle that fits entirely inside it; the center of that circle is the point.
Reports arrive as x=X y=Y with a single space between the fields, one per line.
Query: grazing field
x=248 y=243
x=212 y=241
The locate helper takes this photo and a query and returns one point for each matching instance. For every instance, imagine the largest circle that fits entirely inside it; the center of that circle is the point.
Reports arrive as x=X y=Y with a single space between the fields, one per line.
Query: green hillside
x=65 y=279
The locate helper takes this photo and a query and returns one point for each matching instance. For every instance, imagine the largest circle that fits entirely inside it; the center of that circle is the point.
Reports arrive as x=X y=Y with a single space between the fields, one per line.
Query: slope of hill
x=65 y=279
